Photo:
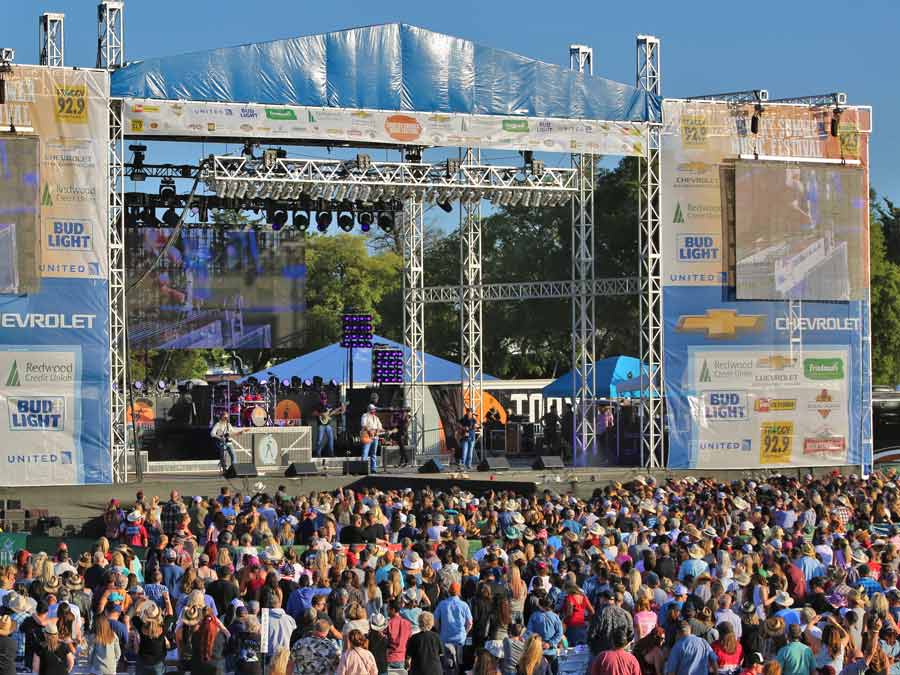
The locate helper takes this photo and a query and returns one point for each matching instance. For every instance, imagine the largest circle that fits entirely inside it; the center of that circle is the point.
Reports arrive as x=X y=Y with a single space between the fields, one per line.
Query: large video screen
x=213 y=287
x=20 y=252
x=800 y=231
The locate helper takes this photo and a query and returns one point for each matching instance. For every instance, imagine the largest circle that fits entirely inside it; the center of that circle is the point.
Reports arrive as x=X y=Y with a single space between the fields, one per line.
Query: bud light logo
x=693 y=248
x=725 y=406
x=70 y=235
x=37 y=414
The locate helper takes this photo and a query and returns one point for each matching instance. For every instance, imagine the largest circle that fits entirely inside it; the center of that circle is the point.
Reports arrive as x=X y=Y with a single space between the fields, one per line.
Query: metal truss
x=652 y=402
x=581 y=58
x=163 y=170
x=470 y=288
x=748 y=96
x=835 y=98
x=111 y=34
x=51 y=36
x=583 y=331
x=118 y=343
x=368 y=181
x=533 y=290
x=412 y=235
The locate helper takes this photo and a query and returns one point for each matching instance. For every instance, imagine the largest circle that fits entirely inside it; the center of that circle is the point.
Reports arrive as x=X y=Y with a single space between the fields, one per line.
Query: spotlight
x=836 y=122
x=161 y=385
x=296 y=382
x=365 y=220
x=170 y=218
x=285 y=382
x=447 y=207
x=754 y=121
x=386 y=221
x=137 y=164
x=345 y=221
x=307 y=383
x=301 y=219
x=149 y=217
x=167 y=190
x=323 y=220
x=279 y=218
x=138 y=385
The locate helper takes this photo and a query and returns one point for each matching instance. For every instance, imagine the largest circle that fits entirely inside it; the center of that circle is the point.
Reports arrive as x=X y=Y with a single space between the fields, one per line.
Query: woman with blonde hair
x=153 y=646
x=394 y=585
x=532 y=661
x=52 y=657
x=106 y=650
x=518 y=591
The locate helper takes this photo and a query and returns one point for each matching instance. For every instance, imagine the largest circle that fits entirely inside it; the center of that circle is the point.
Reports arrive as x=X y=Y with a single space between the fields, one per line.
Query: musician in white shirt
x=220 y=432
x=371 y=428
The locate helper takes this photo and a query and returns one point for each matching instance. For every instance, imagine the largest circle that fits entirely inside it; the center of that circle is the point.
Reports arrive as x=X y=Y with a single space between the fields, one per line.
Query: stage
x=75 y=505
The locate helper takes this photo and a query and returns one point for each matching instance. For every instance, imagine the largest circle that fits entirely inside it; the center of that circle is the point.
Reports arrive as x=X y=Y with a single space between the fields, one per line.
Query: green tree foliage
x=884 y=244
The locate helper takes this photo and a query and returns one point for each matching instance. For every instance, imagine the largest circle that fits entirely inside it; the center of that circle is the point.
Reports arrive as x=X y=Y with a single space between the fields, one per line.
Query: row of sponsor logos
x=776 y=444
x=722 y=324
x=776 y=369
x=735 y=405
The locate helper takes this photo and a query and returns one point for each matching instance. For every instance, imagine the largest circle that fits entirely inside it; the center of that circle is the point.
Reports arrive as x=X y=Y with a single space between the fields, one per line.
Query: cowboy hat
x=742 y=579
x=691 y=530
x=710 y=531
x=16 y=602
x=528 y=534
x=377 y=622
x=148 y=611
x=51 y=585
x=74 y=582
x=413 y=562
x=513 y=533
x=568 y=535
x=135 y=516
x=741 y=504
x=518 y=519
x=695 y=552
x=859 y=557
x=774 y=626
x=784 y=599
x=596 y=530
x=190 y=616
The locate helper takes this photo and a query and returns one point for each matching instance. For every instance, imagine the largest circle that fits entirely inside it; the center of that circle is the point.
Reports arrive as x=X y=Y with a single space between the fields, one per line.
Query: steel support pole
x=470 y=314
x=118 y=344
x=111 y=34
x=651 y=308
x=51 y=34
x=583 y=332
x=414 y=321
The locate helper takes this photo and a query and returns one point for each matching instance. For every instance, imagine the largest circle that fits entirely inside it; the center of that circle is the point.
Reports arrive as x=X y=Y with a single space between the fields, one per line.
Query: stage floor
x=76 y=504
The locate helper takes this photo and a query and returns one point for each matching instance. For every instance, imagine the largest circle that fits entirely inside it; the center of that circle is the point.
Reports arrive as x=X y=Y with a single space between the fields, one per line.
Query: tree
x=885 y=294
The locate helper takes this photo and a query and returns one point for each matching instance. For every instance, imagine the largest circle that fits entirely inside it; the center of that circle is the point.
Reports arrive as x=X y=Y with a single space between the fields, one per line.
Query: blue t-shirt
x=691 y=655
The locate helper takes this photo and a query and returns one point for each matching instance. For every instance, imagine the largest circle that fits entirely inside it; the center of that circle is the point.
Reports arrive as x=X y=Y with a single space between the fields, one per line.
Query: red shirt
x=398 y=631
x=615 y=662
x=576 y=617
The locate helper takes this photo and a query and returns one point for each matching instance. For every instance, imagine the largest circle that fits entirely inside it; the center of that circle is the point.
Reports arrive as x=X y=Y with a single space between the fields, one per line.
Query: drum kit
x=248 y=404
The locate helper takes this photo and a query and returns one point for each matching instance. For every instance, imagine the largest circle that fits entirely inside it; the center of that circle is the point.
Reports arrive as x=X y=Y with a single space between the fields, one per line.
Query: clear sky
x=790 y=47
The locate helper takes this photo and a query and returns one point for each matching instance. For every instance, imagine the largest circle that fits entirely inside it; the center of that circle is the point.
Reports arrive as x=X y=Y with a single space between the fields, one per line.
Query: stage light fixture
x=170 y=218
x=386 y=221
x=285 y=382
x=301 y=220
x=323 y=220
x=446 y=207
x=836 y=122
x=161 y=385
x=132 y=216
x=757 y=115
x=279 y=219
x=138 y=385
x=149 y=217
x=365 y=220
x=345 y=221
x=307 y=383
x=363 y=162
x=167 y=190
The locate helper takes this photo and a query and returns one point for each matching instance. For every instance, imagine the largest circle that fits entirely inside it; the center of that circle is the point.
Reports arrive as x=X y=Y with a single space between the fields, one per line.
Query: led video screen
x=214 y=287
x=20 y=252
x=800 y=231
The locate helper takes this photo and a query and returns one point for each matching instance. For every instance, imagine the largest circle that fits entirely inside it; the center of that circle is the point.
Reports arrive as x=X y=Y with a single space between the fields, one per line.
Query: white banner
x=762 y=407
x=42 y=415
x=148 y=117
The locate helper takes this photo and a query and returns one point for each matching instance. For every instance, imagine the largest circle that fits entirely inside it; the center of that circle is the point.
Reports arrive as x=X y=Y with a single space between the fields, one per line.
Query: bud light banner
x=54 y=296
x=754 y=377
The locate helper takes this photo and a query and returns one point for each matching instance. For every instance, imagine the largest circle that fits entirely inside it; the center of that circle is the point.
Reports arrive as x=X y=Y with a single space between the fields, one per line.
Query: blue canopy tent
x=385 y=67
x=611 y=373
x=330 y=363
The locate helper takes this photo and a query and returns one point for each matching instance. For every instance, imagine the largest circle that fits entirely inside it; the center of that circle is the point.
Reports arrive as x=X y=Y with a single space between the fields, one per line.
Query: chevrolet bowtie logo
x=720 y=323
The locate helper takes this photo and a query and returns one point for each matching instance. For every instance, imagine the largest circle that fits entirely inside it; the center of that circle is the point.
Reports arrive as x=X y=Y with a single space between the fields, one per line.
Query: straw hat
x=784 y=599
x=377 y=622
x=135 y=516
x=568 y=535
x=51 y=585
x=691 y=530
x=518 y=519
x=695 y=552
x=190 y=616
x=774 y=627
x=149 y=611
x=859 y=557
x=413 y=562
x=50 y=629
x=742 y=579
x=17 y=603
x=74 y=582
x=741 y=504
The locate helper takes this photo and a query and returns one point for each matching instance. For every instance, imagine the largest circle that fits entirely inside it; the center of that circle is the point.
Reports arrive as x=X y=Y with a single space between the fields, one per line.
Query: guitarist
x=221 y=432
x=468 y=425
x=371 y=429
x=326 y=432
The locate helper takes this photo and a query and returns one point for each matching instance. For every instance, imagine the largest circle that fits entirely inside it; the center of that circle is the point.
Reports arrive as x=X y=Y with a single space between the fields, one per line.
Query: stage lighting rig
x=137 y=163
x=301 y=220
x=387 y=365
x=170 y=218
x=363 y=162
x=357 y=330
x=272 y=155
x=323 y=220
x=386 y=221
x=447 y=207
x=365 y=219
x=345 y=221
x=167 y=190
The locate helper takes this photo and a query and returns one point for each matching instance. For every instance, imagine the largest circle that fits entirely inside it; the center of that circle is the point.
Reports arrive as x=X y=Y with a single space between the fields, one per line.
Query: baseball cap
x=680 y=589
x=755 y=659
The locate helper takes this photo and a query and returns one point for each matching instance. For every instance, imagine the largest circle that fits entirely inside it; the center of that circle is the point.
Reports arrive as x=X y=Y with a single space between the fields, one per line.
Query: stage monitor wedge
x=432 y=466
x=494 y=464
x=548 y=462
x=246 y=470
x=356 y=467
x=302 y=469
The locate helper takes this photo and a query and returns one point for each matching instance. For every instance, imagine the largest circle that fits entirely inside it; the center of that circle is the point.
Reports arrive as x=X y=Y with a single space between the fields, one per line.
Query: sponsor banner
x=145 y=117
x=54 y=338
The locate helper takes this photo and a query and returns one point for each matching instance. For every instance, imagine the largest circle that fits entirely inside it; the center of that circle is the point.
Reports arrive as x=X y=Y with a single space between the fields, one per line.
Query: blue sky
x=790 y=47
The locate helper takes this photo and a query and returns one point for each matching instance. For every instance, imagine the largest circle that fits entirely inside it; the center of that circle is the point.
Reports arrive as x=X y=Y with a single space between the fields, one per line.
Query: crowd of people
x=780 y=576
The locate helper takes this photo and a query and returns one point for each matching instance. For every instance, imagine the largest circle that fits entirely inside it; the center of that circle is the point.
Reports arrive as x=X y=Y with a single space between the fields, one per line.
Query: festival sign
x=768 y=381
x=150 y=117
x=54 y=337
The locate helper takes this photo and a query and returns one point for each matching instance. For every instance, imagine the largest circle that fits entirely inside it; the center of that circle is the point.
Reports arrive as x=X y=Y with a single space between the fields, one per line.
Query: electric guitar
x=325 y=417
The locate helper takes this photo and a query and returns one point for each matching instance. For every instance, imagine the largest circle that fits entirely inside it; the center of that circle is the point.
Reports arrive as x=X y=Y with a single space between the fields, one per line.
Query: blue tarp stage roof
x=385 y=67
x=612 y=373
x=330 y=363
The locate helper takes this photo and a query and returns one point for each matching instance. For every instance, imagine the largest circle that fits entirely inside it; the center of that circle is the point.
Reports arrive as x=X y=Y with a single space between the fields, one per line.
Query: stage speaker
x=548 y=462
x=247 y=470
x=356 y=467
x=431 y=466
x=302 y=469
x=494 y=464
